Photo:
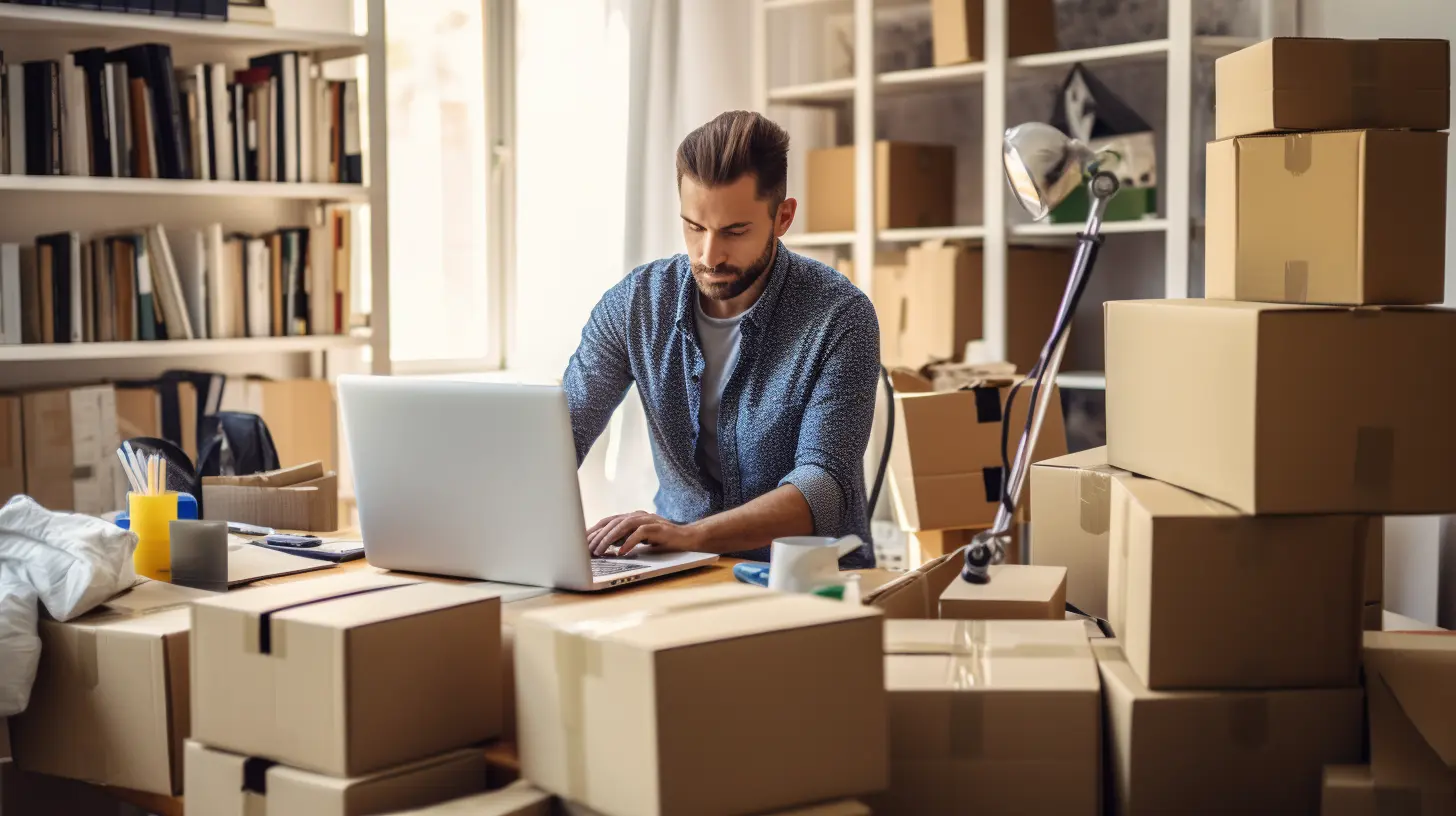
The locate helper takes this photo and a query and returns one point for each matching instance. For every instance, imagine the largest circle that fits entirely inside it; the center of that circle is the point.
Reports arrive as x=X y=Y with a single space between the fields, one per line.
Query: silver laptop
x=477 y=480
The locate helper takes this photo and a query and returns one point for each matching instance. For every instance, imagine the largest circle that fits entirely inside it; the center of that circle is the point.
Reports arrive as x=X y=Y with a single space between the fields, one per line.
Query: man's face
x=730 y=234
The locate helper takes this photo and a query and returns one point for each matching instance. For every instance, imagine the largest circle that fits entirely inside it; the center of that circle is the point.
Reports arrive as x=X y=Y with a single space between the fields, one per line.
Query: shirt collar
x=759 y=314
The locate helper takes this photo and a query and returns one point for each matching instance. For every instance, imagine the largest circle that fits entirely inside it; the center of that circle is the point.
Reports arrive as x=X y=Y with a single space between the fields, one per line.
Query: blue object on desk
x=751 y=573
x=186 y=511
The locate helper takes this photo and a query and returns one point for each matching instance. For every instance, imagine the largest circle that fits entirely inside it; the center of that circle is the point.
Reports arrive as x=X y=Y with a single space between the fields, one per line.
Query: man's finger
x=620 y=529
x=604 y=522
x=596 y=530
x=640 y=536
x=605 y=535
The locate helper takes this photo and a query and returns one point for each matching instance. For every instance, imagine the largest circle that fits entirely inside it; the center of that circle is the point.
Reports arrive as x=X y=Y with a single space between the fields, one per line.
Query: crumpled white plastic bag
x=72 y=563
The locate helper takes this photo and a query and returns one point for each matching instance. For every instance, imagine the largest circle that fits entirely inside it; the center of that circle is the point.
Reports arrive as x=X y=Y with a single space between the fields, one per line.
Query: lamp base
x=986 y=548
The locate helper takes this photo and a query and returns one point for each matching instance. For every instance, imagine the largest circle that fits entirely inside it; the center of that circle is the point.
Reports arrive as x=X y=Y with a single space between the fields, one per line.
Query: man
x=757 y=367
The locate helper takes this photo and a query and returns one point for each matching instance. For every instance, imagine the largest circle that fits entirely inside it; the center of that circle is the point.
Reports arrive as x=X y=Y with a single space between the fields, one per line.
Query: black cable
x=889 y=440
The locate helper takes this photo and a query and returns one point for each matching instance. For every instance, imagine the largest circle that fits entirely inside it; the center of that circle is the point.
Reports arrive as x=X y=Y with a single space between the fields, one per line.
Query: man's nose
x=715 y=252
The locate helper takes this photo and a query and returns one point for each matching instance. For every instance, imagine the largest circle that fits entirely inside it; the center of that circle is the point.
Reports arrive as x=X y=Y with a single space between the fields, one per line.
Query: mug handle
x=848 y=544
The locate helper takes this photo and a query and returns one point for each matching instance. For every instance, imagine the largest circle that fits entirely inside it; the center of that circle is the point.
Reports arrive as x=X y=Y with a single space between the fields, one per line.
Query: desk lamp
x=1043 y=165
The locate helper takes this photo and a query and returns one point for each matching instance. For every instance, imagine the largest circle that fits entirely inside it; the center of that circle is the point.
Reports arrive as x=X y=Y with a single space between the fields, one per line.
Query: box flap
x=274 y=598
x=466 y=757
x=364 y=609
x=1090 y=459
x=933 y=655
x=517 y=799
x=1011 y=582
x=1420 y=671
x=1163 y=500
x=909 y=382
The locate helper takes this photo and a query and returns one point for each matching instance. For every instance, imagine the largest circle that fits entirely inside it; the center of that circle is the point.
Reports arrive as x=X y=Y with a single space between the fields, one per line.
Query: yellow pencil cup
x=150 y=520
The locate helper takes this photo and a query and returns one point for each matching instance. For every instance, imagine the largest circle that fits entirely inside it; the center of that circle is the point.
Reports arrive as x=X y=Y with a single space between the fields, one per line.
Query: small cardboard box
x=70 y=449
x=1204 y=597
x=1301 y=83
x=1002 y=714
x=1409 y=678
x=1069 y=521
x=311 y=506
x=1351 y=217
x=519 y=798
x=637 y=674
x=394 y=670
x=1350 y=790
x=945 y=466
x=1219 y=752
x=12 y=448
x=1275 y=408
x=226 y=784
x=1015 y=592
x=916 y=594
x=958 y=29
x=914 y=187
x=110 y=699
x=930 y=306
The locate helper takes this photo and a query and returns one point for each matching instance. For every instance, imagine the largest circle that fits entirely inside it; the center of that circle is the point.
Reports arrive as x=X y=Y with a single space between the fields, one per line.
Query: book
x=148 y=317
x=95 y=101
x=321 y=279
x=284 y=105
x=123 y=262
x=11 y=298
x=39 y=79
x=191 y=259
x=217 y=305
x=86 y=295
x=46 y=286
x=352 y=171
x=277 y=286
x=105 y=291
x=75 y=264
x=75 y=142
x=4 y=116
x=175 y=314
x=15 y=118
x=306 y=132
x=257 y=290
x=220 y=132
x=152 y=63
x=30 y=306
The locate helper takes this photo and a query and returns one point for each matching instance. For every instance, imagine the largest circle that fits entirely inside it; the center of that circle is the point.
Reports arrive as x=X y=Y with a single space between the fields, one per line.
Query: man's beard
x=743 y=279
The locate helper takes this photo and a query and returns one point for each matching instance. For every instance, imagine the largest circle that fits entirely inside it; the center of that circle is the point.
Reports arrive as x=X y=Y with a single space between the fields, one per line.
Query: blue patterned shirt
x=796 y=410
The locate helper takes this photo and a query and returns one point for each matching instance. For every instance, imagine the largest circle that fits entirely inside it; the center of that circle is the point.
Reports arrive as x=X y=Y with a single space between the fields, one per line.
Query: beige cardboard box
x=301 y=415
x=220 y=783
x=914 y=187
x=1297 y=83
x=916 y=594
x=70 y=449
x=1285 y=409
x=395 y=670
x=1409 y=679
x=991 y=717
x=110 y=699
x=958 y=29
x=12 y=448
x=843 y=807
x=1208 y=598
x=311 y=506
x=517 y=799
x=929 y=306
x=637 y=675
x=1350 y=217
x=1069 y=523
x=928 y=545
x=1221 y=752
x=1015 y=592
x=1350 y=790
x=945 y=467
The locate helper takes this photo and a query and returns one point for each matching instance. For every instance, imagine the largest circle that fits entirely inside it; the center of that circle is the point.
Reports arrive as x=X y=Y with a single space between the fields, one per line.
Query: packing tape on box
x=85 y=653
x=1296 y=281
x=1094 y=499
x=262 y=639
x=1374 y=461
x=1298 y=153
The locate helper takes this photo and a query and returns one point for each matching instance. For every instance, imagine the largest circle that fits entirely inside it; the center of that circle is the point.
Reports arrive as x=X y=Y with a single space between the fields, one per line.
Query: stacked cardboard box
x=1276 y=423
x=1408 y=681
x=357 y=694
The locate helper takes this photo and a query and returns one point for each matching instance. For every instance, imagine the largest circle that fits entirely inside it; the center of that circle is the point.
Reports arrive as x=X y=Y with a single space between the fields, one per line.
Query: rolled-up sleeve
x=829 y=458
x=600 y=372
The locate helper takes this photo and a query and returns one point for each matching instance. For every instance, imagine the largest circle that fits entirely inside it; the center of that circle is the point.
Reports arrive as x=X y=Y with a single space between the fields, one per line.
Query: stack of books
x=199 y=9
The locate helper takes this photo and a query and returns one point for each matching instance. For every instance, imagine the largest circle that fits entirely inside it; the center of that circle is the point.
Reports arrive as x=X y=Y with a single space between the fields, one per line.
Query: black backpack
x=234 y=443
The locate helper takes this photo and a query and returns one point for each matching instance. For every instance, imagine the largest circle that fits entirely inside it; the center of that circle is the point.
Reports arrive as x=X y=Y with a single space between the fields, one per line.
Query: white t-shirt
x=719 y=340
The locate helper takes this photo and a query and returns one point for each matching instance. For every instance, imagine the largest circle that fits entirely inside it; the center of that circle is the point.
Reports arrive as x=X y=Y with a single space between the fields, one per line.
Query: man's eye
x=695 y=228
x=738 y=234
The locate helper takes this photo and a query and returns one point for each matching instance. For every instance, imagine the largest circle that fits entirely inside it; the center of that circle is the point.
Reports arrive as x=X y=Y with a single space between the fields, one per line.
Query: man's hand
x=641 y=527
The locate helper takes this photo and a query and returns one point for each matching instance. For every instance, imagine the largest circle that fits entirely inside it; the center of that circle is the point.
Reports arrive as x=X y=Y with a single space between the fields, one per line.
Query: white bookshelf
x=91 y=205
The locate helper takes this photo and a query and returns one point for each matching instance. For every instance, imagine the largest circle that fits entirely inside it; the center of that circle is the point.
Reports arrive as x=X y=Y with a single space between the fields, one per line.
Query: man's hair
x=732 y=145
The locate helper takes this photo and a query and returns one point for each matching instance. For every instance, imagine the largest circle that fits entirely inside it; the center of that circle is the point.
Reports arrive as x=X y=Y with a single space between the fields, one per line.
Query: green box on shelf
x=1130 y=204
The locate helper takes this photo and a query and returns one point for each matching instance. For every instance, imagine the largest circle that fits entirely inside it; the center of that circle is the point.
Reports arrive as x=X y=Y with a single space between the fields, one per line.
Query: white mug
x=806 y=563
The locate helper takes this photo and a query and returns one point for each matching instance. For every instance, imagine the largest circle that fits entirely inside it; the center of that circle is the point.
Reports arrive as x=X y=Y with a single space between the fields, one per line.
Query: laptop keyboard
x=612 y=566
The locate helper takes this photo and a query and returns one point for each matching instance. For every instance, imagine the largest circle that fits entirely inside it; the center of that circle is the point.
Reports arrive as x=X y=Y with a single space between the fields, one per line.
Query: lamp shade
x=1043 y=165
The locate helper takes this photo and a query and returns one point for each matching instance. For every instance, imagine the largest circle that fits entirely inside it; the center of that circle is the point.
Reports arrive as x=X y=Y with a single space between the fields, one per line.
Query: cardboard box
x=517 y=799
x=395 y=670
x=110 y=699
x=1351 y=217
x=70 y=449
x=1396 y=622
x=12 y=448
x=931 y=544
x=638 y=674
x=33 y=794
x=1350 y=790
x=1002 y=714
x=301 y=416
x=843 y=807
x=1409 y=678
x=914 y=187
x=1298 y=83
x=929 y=307
x=311 y=506
x=1372 y=618
x=1035 y=282
x=916 y=594
x=1069 y=522
x=141 y=410
x=958 y=29
x=1221 y=752
x=226 y=784
x=1374 y=569
x=1015 y=592
x=1209 y=598
x=945 y=466
x=1285 y=409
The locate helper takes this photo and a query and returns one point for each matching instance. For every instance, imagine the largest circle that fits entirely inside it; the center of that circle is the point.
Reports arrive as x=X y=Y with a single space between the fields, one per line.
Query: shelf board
x=114 y=29
x=1108 y=227
x=184 y=188
x=1127 y=52
x=1084 y=380
x=818 y=239
x=48 y=352
x=926 y=79
x=829 y=92
x=917 y=234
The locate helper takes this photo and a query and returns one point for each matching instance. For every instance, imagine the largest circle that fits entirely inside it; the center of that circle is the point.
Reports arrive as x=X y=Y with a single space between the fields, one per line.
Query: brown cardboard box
x=1209 y=598
x=993 y=717
x=33 y=794
x=916 y=594
x=517 y=799
x=1409 y=678
x=1035 y=282
x=1015 y=592
x=843 y=807
x=1350 y=790
x=70 y=449
x=637 y=675
x=932 y=307
x=1375 y=564
x=301 y=416
x=914 y=187
x=958 y=29
x=1350 y=217
x=930 y=544
x=1285 y=409
x=139 y=411
x=1069 y=523
x=1221 y=752
x=945 y=466
x=311 y=506
x=220 y=783
x=1297 y=83
x=1372 y=618
x=110 y=700
x=413 y=669
x=12 y=448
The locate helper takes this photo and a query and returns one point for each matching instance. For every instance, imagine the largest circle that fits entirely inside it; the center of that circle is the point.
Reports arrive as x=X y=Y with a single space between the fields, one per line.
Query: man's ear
x=785 y=216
